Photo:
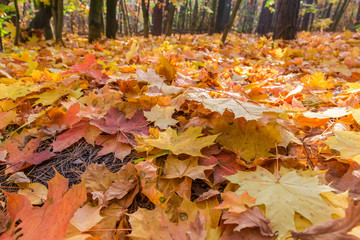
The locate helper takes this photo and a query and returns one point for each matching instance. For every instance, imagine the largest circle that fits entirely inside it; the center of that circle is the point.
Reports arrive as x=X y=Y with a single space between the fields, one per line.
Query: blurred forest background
x=52 y=19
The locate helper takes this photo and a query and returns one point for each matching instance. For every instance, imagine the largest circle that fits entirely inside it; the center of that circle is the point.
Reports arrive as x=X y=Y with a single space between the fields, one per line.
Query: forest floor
x=182 y=138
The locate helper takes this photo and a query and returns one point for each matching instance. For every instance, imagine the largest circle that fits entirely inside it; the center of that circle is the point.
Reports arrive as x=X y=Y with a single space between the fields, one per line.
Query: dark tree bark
x=42 y=21
x=340 y=11
x=157 y=19
x=306 y=18
x=194 y=17
x=57 y=7
x=286 y=15
x=170 y=19
x=17 y=13
x=1 y=44
x=212 y=17
x=126 y=13
x=182 y=17
x=223 y=15
x=95 y=19
x=265 y=20
x=250 y=15
x=145 y=10
x=231 y=21
x=124 y=21
x=201 y=23
x=111 y=22
x=358 y=16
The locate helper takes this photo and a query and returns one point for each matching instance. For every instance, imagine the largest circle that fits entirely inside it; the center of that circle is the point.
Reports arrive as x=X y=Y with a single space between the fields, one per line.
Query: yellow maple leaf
x=249 y=142
x=285 y=196
x=132 y=52
x=317 y=81
x=161 y=116
x=347 y=143
x=9 y=27
x=189 y=142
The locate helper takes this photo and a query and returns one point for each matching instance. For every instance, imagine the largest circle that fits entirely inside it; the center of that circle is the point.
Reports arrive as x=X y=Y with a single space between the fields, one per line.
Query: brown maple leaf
x=51 y=220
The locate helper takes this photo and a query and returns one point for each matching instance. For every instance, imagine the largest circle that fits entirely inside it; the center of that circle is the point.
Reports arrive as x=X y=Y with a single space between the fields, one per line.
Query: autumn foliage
x=254 y=139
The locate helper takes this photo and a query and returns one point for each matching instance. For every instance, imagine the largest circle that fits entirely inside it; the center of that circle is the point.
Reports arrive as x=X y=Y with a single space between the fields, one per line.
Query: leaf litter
x=159 y=139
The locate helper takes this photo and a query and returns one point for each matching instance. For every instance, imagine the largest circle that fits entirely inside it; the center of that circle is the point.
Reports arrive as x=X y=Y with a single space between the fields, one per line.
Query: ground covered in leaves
x=183 y=138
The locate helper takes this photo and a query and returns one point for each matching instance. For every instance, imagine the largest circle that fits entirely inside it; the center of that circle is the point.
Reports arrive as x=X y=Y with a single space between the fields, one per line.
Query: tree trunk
x=111 y=22
x=17 y=13
x=265 y=20
x=57 y=7
x=306 y=18
x=170 y=18
x=338 y=15
x=124 y=18
x=231 y=21
x=126 y=13
x=286 y=14
x=157 y=18
x=201 y=23
x=145 y=10
x=194 y=17
x=1 y=44
x=249 y=17
x=223 y=15
x=358 y=16
x=95 y=19
x=212 y=17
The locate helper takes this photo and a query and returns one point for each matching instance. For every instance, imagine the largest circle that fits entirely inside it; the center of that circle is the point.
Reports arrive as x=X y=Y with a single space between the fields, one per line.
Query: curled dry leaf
x=335 y=229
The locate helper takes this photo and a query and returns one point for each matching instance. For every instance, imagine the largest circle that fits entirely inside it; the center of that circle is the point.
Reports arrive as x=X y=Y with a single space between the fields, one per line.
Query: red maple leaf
x=115 y=122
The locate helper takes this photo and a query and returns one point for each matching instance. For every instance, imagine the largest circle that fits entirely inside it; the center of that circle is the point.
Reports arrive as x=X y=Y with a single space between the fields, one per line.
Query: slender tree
x=194 y=17
x=145 y=10
x=306 y=18
x=111 y=22
x=95 y=19
x=42 y=20
x=203 y=14
x=251 y=7
x=1 y=44
x=223 y=15
x=170 y=19
x=17 y=13
x=212 y=17
x=265 y=19
x=231 y=21
x=57 y=7
x=286 y=15
x=339 y=13
x=358 y=16
x=157 y=18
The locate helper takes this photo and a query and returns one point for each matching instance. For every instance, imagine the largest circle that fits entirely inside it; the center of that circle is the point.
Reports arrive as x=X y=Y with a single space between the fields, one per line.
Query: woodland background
x=193 y=119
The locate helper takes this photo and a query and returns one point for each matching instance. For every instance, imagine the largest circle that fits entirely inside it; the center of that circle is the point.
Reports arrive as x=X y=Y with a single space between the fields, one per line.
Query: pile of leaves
x=254 y=139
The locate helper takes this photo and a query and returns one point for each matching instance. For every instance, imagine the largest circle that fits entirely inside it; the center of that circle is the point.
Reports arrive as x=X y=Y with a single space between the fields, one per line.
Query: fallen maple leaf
x=35 y=192
x=347 y=143
x=80 y=130
x=189 y=142
x=155 y=225
x=18 y=157
x=235 y=203
x=161 y=116
x=284 y=197
x=249 y=141
x=175 y=168
x=334 y=229
x=86 y=217
x=111 y=144
x=105 y=185
x=251 y=218
x=115 y=122
x=51 y=220
x=247 y=110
